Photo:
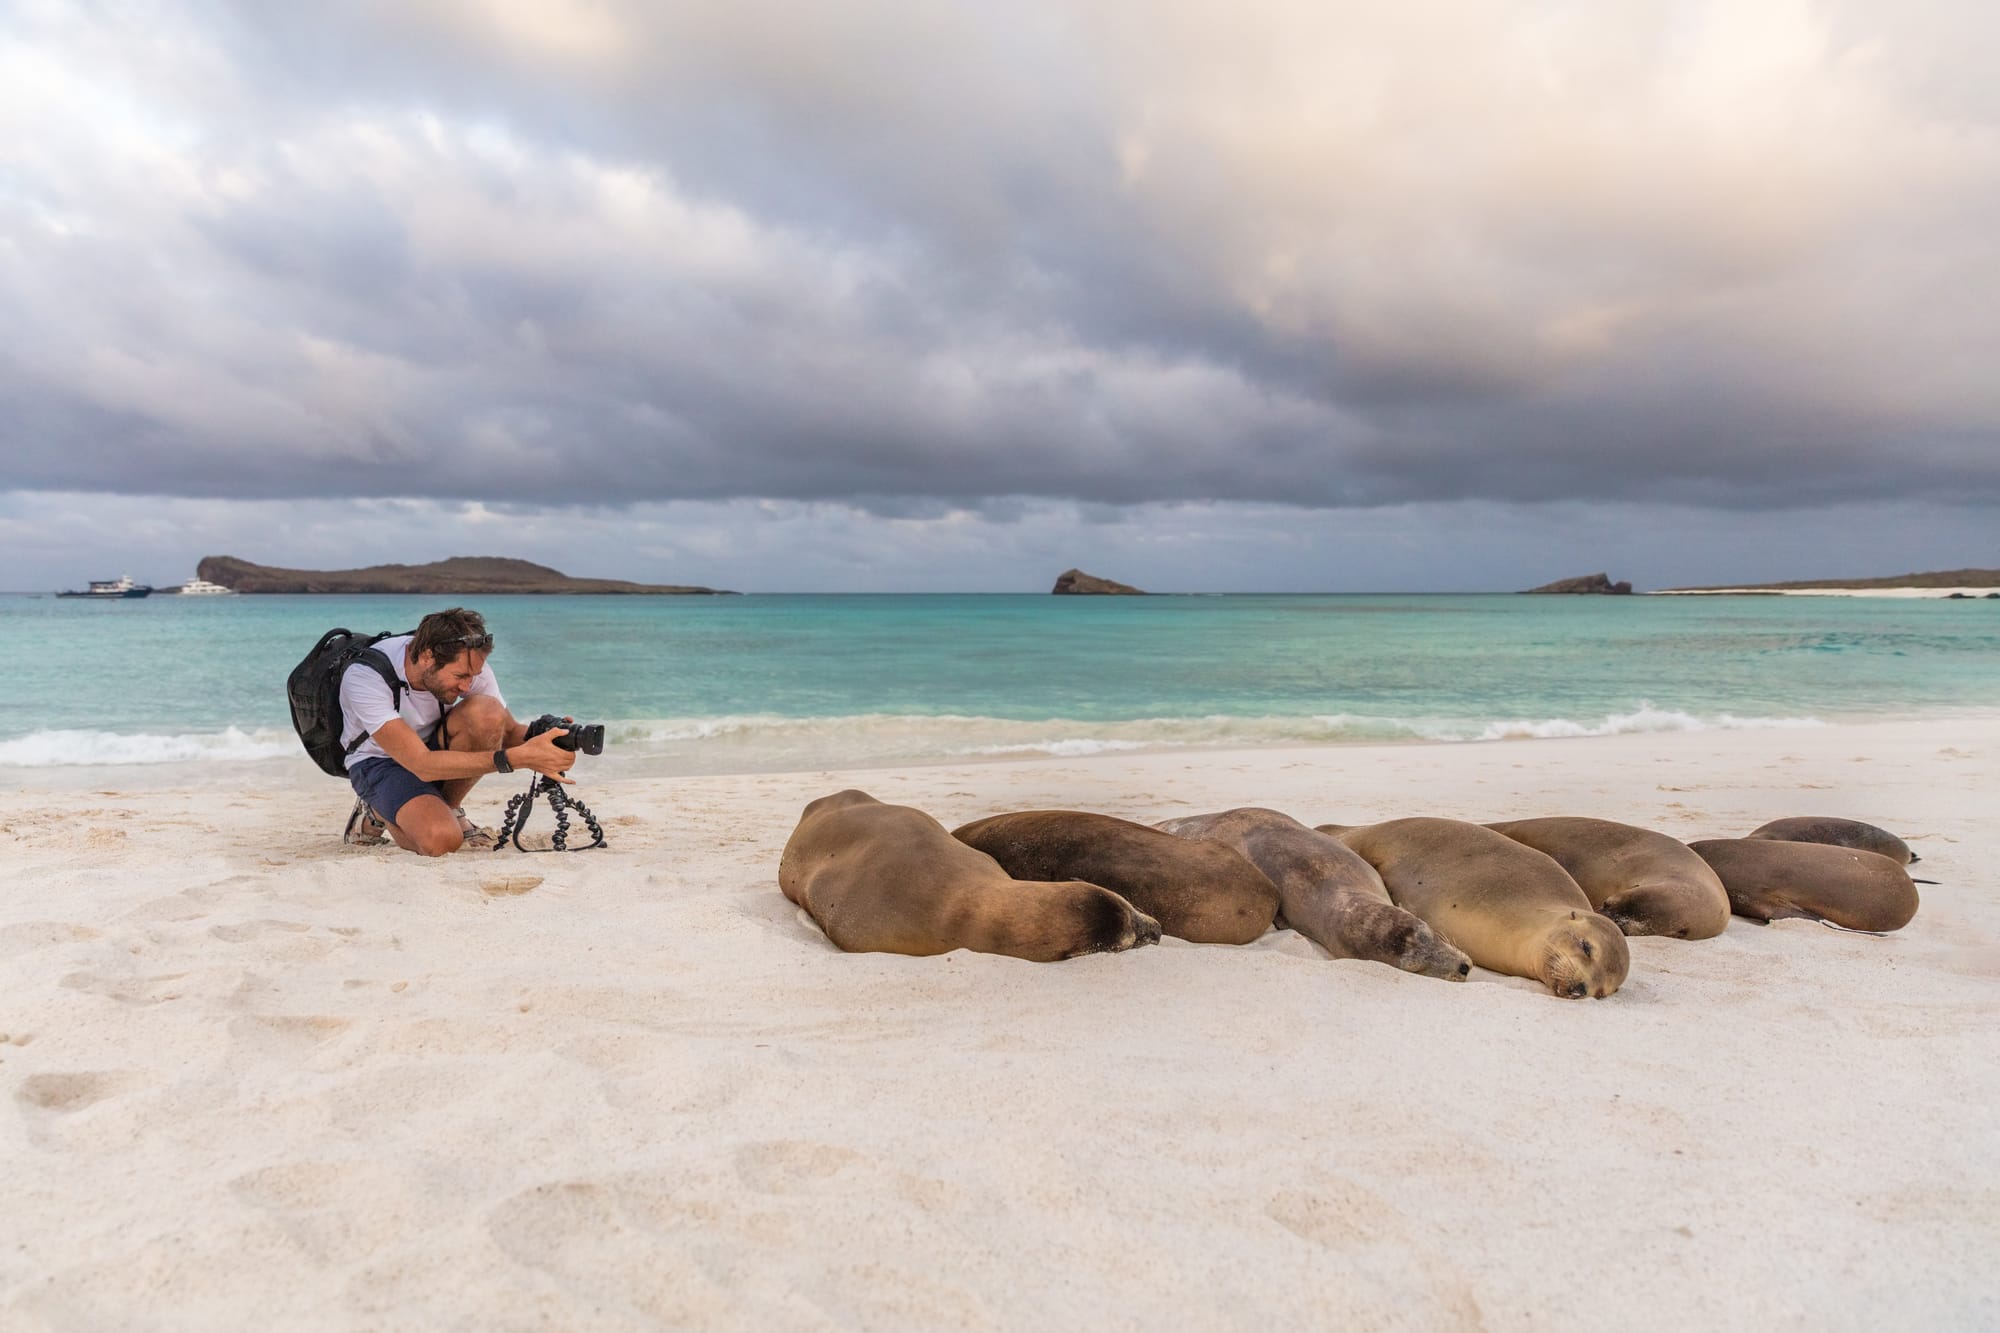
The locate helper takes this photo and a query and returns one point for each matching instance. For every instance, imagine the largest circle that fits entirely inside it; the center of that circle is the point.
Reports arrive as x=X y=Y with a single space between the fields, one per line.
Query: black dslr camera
x=584 y=737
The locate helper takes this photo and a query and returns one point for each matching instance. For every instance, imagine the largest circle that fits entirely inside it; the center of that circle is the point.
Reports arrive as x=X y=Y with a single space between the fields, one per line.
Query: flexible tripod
x=519 y=808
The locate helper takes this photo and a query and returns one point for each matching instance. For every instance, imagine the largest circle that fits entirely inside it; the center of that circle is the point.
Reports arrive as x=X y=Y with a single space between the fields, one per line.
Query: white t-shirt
x=366 y=703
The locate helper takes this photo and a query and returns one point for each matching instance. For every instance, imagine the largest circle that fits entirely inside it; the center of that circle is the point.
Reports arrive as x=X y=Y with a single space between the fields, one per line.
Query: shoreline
x=657 y=760
x=1977 y=593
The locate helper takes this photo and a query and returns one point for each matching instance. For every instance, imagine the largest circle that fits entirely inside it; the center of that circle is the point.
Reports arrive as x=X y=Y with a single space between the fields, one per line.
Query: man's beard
x=429 y=684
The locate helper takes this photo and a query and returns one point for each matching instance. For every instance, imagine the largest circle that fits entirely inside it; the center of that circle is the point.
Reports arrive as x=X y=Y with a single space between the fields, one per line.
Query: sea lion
x=1646 y=883
x=889 y=879
x=1838 y=832
x=1771 y=878
x=1200 y=891
x=1512 y=908
x=1326 y=891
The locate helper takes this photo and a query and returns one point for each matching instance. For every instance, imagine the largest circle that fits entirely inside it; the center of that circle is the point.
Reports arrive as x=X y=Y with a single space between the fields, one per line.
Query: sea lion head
x=1419 y=949
x=1109 y=923
x=1657 y=907
x=1584 y=954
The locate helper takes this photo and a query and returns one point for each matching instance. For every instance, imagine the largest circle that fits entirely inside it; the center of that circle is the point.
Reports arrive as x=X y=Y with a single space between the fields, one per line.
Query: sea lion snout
x=1145 y=930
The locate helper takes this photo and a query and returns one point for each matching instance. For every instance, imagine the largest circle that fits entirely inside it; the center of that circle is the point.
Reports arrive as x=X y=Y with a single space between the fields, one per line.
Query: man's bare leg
x=425 y=825
x=477 y=726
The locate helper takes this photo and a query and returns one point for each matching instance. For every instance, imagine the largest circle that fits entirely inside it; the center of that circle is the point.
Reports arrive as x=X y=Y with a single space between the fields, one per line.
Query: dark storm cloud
x=921 y=256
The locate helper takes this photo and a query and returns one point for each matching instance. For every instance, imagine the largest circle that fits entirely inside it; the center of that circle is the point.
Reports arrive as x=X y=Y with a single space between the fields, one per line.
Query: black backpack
x=314 y=691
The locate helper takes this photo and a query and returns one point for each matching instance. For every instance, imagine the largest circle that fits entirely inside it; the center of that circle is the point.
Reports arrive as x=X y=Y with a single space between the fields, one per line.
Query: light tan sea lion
x=1326 y=891
x=1837 y=832
x=1646 y=883
x=889 y=879
x=1512 y=908
x=1769 y=879
x=1200 y=891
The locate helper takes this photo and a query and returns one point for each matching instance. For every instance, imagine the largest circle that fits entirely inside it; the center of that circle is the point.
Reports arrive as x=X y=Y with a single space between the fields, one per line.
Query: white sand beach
x=251 y=1078
x=1969 y=590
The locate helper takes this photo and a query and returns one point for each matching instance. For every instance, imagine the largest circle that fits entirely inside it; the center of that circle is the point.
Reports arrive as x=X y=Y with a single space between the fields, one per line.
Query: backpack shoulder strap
x=378 y=661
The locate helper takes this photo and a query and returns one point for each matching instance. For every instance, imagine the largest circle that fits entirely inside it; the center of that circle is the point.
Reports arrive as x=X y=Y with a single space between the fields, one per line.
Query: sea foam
x=766 y=741
x=57 y=749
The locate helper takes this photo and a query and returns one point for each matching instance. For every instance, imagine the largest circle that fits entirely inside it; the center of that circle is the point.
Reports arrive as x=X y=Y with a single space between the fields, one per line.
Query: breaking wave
x=57 y=749
x=762 y=741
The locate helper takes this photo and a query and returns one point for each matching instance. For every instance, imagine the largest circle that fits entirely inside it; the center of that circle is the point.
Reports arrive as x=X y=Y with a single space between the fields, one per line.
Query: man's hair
x=446 y=634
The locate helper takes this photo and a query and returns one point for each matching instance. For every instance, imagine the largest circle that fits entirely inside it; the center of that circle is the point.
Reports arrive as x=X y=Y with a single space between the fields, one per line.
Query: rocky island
x=1074 y=582
x=467 y=575
x=1960 y=584
x=1586 y=583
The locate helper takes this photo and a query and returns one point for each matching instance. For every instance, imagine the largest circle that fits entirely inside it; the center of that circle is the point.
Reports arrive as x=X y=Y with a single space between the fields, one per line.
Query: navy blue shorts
x=387 y=786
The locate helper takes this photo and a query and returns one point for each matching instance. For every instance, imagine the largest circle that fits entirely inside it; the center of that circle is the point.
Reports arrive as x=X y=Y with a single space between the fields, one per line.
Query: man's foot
x=363 y=828
x=476 y=838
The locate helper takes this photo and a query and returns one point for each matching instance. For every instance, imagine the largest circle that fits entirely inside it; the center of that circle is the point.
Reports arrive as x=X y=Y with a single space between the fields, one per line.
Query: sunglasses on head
x=478 y=643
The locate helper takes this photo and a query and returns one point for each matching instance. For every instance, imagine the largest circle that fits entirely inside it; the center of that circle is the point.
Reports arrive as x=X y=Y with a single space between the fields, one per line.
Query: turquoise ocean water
x=719 y=684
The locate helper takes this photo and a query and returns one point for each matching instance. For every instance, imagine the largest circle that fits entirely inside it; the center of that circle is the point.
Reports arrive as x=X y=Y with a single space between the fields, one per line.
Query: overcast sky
x=1406 y=294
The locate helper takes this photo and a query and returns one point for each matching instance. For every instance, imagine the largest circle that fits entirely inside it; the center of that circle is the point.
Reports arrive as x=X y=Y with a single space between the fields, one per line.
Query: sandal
x=477 y=838
x=365 y=828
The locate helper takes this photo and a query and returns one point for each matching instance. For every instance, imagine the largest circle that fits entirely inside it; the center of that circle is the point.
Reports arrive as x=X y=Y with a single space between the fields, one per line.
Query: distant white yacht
x=111 y=589
x=203 y=588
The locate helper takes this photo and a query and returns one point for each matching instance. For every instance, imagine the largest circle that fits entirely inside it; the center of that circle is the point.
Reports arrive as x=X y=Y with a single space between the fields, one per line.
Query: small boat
x=111 y=589
x=199 y=587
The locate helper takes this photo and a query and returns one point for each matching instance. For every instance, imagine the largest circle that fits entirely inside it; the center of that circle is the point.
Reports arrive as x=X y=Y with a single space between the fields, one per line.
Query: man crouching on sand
x=413 y=771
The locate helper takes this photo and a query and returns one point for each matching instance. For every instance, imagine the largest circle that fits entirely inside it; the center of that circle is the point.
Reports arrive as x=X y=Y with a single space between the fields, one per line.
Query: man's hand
x=542 y=755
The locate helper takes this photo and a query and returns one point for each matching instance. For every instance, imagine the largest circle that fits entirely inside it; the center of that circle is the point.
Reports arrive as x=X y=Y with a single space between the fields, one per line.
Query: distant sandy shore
x=252 y=1078
x=1820 y=592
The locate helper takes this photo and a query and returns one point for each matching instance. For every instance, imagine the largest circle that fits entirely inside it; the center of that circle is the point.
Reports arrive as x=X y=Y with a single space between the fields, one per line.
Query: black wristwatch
x=501 y=763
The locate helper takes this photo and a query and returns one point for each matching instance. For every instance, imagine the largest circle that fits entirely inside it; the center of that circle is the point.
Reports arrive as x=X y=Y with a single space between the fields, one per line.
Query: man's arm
x=541 y=755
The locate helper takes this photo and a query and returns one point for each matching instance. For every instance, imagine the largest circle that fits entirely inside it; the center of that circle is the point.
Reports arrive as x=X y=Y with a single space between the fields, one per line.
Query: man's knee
x=479 y=722
x=430 y=826
x=438 y=844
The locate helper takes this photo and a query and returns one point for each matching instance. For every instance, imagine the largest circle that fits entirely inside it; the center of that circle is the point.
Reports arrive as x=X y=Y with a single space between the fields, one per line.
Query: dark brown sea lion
x=1326 y=891
x=1837 y=832
x=1199 y=891
x=1770 y=878
x=1512 y=908
x=1645 y=882
x=889 y=879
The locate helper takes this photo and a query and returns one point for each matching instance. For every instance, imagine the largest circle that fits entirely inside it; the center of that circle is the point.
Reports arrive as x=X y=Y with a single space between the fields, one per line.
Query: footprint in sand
x=791 y=1166
x=1353 y=1221
x=244 y=931
x=27 y=936
x=340 y=1211
x=127 y=990
x=286 y=1032
x=67 y=1093
x=627 y=1243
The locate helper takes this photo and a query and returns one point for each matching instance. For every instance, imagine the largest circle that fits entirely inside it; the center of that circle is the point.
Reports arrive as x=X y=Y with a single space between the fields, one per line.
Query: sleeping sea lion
x=1646 y=883
x=1199 y=891
x=1326 y=891
x=1512 y=908
x=889 y=879
x=1838 y=832
x=1769 y=879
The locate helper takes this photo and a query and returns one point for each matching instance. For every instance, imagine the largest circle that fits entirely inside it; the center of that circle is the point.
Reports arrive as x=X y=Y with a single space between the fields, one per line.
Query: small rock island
x=469 y=575
x=1587 y=583
x=1074 y=582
